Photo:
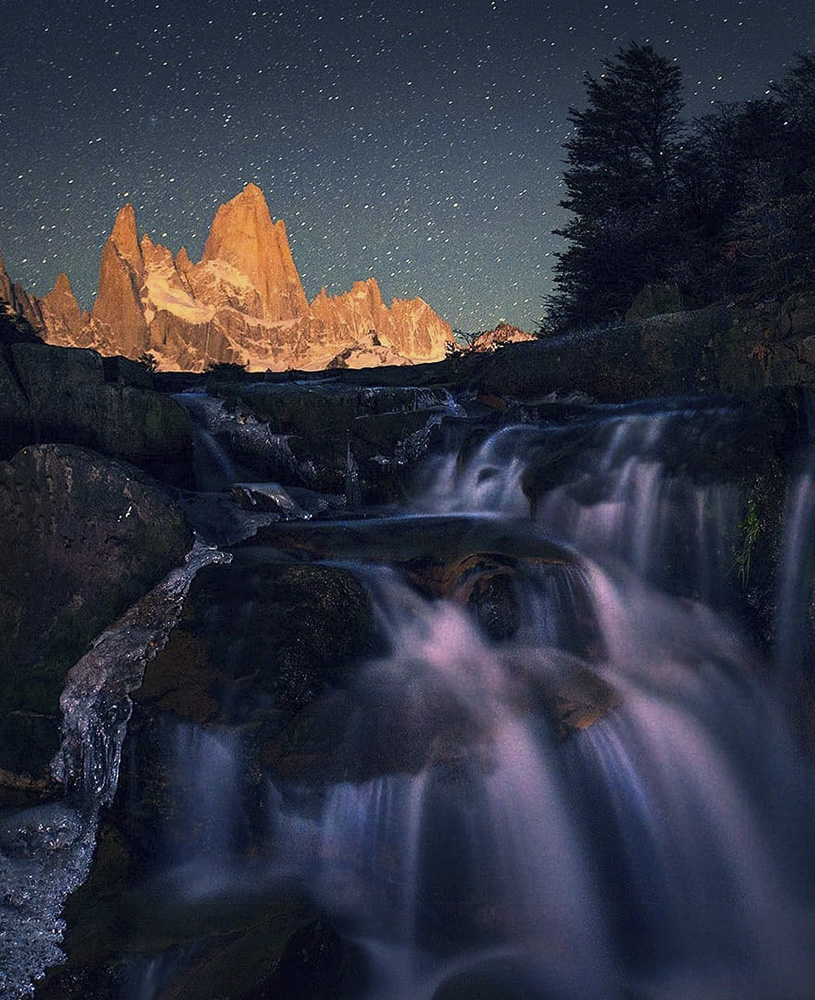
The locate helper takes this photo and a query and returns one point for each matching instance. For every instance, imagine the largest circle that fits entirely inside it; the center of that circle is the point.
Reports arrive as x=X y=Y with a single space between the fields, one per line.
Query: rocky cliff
x=14 y=300
x=242 y=303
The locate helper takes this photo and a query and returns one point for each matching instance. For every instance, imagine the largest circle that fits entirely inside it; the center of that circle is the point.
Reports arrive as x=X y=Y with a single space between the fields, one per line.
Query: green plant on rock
x=227 y=369
x=749 y=530
x=149 y=361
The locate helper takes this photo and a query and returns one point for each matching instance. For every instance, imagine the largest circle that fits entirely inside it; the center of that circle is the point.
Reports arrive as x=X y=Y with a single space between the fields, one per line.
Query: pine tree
x=722 y=157
x=622 y=158
x=776 y=222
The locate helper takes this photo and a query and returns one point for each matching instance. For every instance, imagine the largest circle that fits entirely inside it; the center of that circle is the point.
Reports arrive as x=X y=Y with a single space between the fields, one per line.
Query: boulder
x=386 y=446
x=60 y=394
x=288 y=631
x=262 y=950
x=81 y=538
x=491 y=599
x=437 y=552
x=123 y=371
x=311 y=625
x=330 y=437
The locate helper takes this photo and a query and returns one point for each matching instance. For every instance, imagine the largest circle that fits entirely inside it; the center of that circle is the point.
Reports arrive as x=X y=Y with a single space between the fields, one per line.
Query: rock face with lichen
x=242 y=303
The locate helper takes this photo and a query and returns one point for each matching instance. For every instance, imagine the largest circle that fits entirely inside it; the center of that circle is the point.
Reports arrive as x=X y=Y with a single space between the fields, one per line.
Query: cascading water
x=612 y=498
x=795 y=639
x=600 y=797
x=46 y=851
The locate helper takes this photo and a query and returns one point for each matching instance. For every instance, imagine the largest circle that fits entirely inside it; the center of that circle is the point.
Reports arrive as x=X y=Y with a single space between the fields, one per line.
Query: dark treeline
x=720 y=208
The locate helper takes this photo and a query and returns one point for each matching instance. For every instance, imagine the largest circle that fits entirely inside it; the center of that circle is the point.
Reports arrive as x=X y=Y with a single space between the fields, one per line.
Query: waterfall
x=212 y=465
x=600 y=797
x=795 y=637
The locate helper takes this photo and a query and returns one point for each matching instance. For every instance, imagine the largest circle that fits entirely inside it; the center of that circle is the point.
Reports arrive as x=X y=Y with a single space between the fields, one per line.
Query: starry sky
x=419 y=141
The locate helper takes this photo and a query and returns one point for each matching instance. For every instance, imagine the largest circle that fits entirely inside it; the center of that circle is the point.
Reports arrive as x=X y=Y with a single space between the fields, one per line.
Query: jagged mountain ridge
x=15 y=300
x=242 y=303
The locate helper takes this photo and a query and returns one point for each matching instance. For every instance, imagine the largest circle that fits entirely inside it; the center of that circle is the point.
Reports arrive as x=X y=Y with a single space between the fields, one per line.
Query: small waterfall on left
x=46 y=851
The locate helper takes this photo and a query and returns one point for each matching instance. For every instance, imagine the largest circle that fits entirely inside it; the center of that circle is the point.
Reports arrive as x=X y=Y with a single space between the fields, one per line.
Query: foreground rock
x=81 y=538
x=281 y=948
x=71 y=395
x=325 y=436
x=279 y=630
x=720 y=348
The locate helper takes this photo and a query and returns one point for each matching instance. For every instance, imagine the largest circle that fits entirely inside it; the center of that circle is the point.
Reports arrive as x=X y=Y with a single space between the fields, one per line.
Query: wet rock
x=285 y=631
x=270 y=497
x=184 y=682
x=120 y=942
x=393 y=726
x=311 y=624
x=81 y=538
x=19 y=790
x=491 y=598
x=313 y=420
x=63 y=983
x=435 y=549
x=219 y=520
x=316 y=964
x=210 y=646
x=571 y=695
x=406 y=721
x=45 y=828
x=386 y=446
x=710 y=439
x=28 y=739
x=327 y=434
x=310 y=749
x=60 y=394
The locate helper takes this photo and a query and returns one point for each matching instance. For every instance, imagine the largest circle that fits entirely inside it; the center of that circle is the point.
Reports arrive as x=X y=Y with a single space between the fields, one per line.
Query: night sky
x=420 y=142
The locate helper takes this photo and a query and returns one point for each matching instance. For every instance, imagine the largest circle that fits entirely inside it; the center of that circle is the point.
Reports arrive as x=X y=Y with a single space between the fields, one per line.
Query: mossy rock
x=66 y=398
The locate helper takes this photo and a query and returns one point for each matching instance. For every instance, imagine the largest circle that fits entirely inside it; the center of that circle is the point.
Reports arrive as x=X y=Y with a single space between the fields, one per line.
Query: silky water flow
x=660 y=847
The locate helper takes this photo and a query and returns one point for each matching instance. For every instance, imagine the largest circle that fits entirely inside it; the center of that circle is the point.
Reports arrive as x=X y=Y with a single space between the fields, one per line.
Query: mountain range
x=242 y=303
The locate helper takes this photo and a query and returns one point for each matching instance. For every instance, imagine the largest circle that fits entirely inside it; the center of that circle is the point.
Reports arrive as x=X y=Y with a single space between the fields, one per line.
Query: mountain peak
x=242 y=302
x=251 y=192
x=244 y=236
x=62 y=286
x=61 y=312
x=182 y=261
x=125 y=238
